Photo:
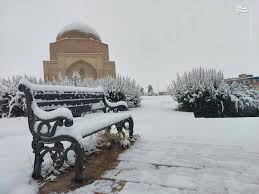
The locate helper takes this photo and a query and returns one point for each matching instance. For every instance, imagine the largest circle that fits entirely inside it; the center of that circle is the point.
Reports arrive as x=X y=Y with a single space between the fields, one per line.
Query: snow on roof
x=81 y=28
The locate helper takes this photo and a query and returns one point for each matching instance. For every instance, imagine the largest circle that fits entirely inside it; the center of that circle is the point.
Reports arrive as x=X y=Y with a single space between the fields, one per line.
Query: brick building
x=246 y=79
x=78 y=48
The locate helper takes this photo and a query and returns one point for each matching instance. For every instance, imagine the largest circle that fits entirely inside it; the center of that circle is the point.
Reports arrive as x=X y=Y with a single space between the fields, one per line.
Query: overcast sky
x=150 y=40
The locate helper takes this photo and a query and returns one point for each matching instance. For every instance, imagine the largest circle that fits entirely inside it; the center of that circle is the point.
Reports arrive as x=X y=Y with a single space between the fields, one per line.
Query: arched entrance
x=86 y=70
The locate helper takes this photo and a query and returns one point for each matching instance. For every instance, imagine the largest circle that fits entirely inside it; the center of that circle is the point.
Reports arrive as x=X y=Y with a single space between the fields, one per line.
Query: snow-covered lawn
x=176 y=153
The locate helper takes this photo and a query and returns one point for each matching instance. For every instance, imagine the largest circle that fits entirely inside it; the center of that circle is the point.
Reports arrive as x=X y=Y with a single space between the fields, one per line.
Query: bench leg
x=131 y=126
x=122 y=125
x=79 y=165
x=37 y=160
x=39 y=152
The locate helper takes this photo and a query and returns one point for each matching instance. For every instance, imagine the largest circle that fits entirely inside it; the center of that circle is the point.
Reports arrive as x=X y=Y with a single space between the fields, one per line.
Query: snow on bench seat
x=90 y=123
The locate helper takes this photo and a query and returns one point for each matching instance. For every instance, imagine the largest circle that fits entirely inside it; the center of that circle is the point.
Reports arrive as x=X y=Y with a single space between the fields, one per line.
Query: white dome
x=78 y=30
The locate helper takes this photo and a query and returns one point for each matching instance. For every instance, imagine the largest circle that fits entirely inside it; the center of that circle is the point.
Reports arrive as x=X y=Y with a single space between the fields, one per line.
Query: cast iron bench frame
x=55 y=146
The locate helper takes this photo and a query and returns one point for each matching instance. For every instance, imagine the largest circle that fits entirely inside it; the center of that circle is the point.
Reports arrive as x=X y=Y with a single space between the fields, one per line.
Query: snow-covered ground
x=176 y=153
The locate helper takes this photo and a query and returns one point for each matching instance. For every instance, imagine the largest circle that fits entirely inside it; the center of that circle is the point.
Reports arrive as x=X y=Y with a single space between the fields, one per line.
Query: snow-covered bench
x=52 y=125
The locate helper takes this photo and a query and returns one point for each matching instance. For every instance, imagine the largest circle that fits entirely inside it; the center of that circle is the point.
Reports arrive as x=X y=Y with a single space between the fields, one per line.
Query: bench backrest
x=43 y=98
x=78 y=99
x=77 y=102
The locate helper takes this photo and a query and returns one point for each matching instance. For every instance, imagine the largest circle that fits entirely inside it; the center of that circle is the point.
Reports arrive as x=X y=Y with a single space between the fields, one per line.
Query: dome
x=77 y=30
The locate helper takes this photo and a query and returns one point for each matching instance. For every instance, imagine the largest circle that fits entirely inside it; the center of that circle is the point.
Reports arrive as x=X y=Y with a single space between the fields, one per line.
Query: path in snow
x=180 y=154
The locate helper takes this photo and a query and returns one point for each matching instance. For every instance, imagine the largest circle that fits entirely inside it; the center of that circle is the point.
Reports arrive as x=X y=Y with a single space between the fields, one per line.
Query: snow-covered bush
x=150 y=91
x=124 y=88
x=238 y=100
x=4 y=105
x=206 y=94
x=10 y=85
x=17 y=105
x=189 y=87
x=9 y=92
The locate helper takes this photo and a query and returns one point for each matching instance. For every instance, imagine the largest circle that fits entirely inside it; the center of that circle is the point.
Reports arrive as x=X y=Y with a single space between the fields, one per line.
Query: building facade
x=246 y=79
x=78 y=48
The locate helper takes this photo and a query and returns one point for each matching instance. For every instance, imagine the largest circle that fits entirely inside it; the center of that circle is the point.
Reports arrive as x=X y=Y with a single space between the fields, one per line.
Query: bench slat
x=58 y=96
x=77 y=111
x=68 y=102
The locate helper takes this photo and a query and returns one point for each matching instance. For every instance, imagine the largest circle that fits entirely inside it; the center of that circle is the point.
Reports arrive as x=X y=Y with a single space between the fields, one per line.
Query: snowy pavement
x=180 y=154
x=176 y=153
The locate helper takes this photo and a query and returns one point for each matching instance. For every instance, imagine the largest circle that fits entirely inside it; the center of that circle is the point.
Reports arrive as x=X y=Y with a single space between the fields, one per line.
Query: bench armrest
x=115 y=104
x=45 y=128
x=50 y=116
